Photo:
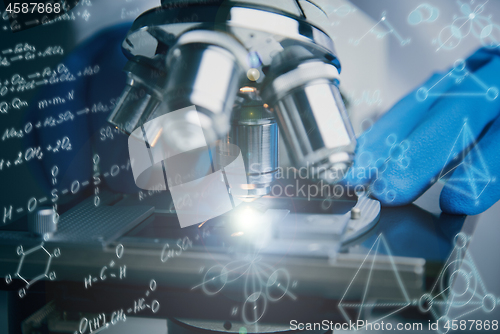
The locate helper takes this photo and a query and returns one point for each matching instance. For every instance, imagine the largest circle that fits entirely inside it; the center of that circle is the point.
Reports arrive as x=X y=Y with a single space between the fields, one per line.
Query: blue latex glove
x=99 y=90
x=448 y=130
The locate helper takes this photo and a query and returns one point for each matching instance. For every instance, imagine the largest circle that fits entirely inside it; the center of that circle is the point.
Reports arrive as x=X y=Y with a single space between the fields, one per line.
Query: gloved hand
x=446 y=130
x=97 y=67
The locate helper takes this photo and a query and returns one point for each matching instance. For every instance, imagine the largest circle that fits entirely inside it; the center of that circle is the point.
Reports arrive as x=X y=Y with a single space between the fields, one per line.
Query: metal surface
x=311 y=114
x=43 y=222
x=255 y=132
x=368 y=213
x=205 y=50
x=185 y=326
x=329 y=232
x=255 y=25
x=86 y=224
x=140 y=98
x=355 y=213
x=207 y=75
x=321 y=271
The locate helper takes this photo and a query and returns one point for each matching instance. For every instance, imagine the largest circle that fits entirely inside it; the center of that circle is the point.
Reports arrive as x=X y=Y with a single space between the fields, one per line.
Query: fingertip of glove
x=393 y=188
x=456 y=203
x=392 y=198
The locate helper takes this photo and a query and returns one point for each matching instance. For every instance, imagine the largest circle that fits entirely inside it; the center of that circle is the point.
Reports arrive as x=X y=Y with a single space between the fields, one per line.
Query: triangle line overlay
x=403 y=305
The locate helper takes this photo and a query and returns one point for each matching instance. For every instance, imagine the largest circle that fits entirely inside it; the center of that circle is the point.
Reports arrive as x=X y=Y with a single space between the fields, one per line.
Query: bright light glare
x=247 y=220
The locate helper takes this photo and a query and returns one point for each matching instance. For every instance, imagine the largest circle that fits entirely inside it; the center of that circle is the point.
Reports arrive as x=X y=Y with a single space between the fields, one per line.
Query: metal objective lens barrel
x=139 y=99
x=205 y=70
x=311 y=115
x=255 y=132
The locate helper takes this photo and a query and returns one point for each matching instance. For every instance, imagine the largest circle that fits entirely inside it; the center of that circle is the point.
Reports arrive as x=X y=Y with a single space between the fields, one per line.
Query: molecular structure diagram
x=459 y=73
x=29 y=282
x=423 y=13
x=478 y=175
x=381 y=34
x=482 y=27
x=340 y=12
x=459 y=286
x=395 y=153
x=104 y=273
x=458 y=290
x=262 y=284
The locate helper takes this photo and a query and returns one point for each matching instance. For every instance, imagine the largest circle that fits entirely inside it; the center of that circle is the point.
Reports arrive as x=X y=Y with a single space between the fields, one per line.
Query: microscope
x=252 y=80
x=253 y=70
x=263 y=81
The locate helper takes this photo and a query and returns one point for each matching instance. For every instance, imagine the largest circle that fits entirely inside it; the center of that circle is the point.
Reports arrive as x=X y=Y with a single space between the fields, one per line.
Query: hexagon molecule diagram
x=45 y=274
